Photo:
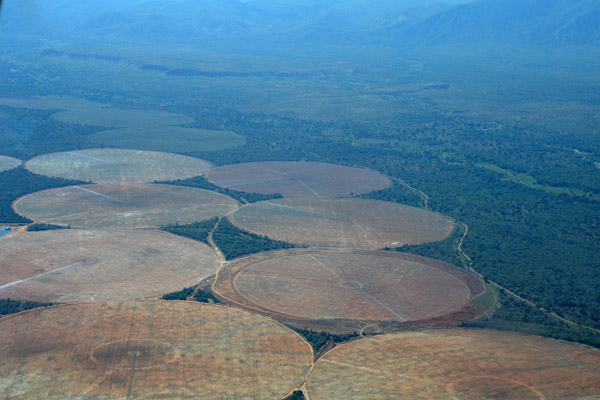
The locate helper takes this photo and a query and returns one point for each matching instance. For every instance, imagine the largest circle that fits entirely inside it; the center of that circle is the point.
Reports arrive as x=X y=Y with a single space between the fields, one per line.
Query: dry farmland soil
x=298 y=179
x=75 y=265
x=123 y=206
x=341 y=285
x=7 y=163
x=117 y=166
x=350 y=223
x=456 y=364
x=148 y=350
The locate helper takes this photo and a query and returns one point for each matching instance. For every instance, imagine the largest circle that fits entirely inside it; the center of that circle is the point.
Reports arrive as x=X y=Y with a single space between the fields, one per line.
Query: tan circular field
x=148 y=350
x=117 y=166
x=298 y=179
x=123 y=206
x=7 y=163
x=73 y=265
x=321 y=284
x=350 y=223
x=456 y=364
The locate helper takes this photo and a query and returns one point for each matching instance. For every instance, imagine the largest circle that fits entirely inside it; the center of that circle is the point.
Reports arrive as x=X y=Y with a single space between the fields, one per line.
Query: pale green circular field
x=117 y=166
x=173 y=139
x=123 y=206
x=7 y=163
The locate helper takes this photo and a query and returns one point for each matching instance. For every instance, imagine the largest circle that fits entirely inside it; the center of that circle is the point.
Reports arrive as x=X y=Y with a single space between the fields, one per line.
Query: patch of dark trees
x=18 y=182
x=8 y=306
x=46 y=227
x=202 y=183
x=201 y=295
x=231 y=240
x=296 y=395
x=318 y=340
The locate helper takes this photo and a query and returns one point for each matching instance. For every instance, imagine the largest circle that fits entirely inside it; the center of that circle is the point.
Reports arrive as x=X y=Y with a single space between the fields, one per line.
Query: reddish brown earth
x=123 y=206
x=456 y=364
x=332 y=285
x=348 y=223
x=117 y=166
x=75 y=265
x=148 y=350
x=298 y=179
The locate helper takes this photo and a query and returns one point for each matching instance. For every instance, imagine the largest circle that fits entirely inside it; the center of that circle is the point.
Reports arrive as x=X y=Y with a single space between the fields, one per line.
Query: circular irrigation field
x=456 y=364
x=350 y=223
x=148 y=350
x=172 y=139
x=7 y=163
x=71 y=265
x=123 y=206
x=117 y=166
x=327 y=284
x=298 y=179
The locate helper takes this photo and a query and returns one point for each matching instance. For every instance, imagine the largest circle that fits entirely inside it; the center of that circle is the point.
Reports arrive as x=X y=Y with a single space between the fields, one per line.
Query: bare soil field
x=123 y=206
x=173 y=139
x=298 y=179
x=80 y=111
x=71 y=265
x=332 y=285
x=348 y=223
x=148 y=350
x=7 y=163
x=456 y=364
x=117 y=166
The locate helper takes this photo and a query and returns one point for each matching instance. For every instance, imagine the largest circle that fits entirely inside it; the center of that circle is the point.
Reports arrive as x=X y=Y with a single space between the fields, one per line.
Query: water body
x=4 y=232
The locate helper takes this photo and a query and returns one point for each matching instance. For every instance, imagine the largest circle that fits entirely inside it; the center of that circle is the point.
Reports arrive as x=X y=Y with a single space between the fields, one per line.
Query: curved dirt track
x=327 y=284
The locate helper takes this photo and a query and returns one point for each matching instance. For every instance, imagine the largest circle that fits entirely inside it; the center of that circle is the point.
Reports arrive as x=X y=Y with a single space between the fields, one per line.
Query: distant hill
x=292 y=22
x=523 y=21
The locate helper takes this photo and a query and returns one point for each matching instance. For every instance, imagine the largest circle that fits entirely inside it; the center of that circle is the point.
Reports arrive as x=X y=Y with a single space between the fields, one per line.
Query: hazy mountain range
x=334 y=21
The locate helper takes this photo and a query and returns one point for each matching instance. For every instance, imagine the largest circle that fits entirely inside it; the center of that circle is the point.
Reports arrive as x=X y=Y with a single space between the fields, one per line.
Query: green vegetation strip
x=8 y=306
x=242 y=197
x=46 y=227
x=18 y=182
x=231 y=240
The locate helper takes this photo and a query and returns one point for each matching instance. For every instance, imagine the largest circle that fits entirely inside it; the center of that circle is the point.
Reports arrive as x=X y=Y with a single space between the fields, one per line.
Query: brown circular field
x=117 y=166
x=298 y=179
x=350 y=223
x=71 y=265
x=320 y=284
x=123 y=206
x=7 y=163
x=456 y=364
x=148 y=350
